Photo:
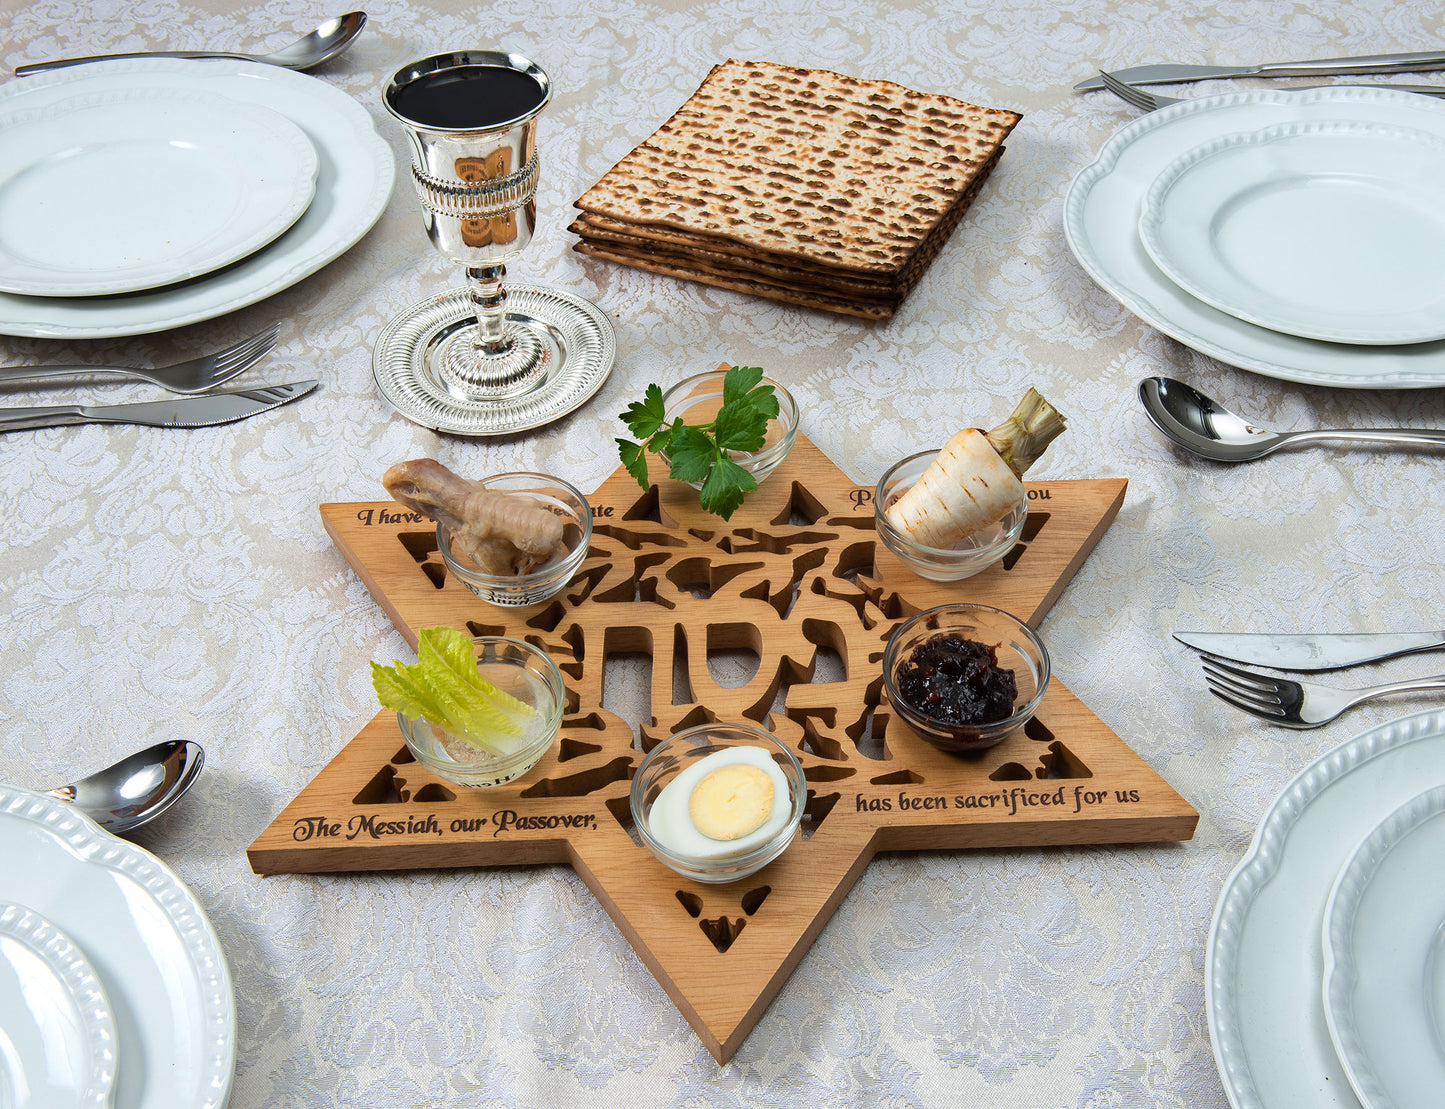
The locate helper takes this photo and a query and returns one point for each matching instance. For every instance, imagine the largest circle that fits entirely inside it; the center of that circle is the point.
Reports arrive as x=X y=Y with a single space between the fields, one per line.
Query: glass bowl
x=516 y=590
x=715 y=861
x=697 y=399
x=1018 y=649
x=515 y=667
x=966 y=557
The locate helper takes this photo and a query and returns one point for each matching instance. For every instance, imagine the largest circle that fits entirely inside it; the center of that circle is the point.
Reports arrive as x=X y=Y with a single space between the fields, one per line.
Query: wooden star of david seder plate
x=795 y=582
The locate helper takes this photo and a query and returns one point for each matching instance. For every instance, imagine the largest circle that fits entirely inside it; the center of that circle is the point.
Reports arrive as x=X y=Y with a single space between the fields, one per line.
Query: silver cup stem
x=484 y=284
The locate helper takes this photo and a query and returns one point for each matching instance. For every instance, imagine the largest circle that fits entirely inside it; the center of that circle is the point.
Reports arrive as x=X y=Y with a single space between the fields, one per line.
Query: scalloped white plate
x=1332 y=231
x=147 y=939
x=353 y=183
x=57 y=1033
x=1264 y=965
x=118 y=191
x=1101 y=223
x=1384 y=931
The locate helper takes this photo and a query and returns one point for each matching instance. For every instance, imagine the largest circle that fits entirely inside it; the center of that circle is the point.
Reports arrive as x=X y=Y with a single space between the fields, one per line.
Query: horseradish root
x=502 y=533
x=974 y=481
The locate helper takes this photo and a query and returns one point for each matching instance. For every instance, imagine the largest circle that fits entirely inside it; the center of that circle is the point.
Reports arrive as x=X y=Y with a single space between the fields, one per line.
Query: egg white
x=671 y=825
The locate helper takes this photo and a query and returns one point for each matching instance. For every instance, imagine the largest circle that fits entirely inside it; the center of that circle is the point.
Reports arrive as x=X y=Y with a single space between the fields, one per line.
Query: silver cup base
x=573 y=338
x=472 y=374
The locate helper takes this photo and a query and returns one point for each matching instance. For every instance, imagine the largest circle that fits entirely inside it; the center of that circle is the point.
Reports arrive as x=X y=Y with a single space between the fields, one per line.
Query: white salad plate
x=114 y=192
x=1384 y=986
x=1331 y=231
x=57 y=1034
x=149 y=942
x=1106 y=199
x=354 y=178
x=1264 y=963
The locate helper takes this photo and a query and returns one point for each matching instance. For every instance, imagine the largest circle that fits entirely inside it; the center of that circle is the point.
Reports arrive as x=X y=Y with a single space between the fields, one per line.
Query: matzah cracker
x=814 y=166
x=634 y=244
x=595 y=228
x=757 y=288
x=712 y=266
x=814 y=287
x=590 y=223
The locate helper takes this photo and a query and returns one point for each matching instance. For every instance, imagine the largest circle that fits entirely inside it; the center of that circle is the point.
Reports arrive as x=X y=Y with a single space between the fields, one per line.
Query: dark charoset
x=957 y=681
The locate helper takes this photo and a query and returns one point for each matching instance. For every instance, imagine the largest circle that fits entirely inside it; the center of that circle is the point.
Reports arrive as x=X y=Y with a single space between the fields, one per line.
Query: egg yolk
x=731 y=802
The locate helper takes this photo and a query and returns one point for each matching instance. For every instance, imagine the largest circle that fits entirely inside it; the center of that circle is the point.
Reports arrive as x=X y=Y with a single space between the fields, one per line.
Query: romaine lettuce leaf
x=443 y=687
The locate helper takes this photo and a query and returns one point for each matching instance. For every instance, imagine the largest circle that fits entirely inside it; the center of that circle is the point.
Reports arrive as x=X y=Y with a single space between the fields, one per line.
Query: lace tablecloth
x=163 y=584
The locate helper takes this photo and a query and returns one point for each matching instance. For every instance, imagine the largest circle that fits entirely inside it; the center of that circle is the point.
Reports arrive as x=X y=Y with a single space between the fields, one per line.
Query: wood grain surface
x=793 y=590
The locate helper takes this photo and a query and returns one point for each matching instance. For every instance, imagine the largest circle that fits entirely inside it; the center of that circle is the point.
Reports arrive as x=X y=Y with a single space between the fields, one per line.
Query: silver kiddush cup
x=471 y=118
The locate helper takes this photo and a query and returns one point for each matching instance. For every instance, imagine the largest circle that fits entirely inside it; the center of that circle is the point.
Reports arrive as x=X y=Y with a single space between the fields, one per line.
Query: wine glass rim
x=459 y=59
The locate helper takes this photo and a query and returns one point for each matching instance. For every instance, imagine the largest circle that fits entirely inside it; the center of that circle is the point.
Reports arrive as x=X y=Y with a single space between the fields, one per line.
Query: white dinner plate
x=1264 y=964
x=1332 y=231
x=57 y=1034
x=1384 y=930
x=354 y=179
x=147 y=939
x=1105 y=200
x=114 y=192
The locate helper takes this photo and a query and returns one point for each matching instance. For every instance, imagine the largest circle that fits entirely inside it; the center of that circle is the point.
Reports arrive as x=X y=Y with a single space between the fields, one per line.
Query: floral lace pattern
x=164 y=583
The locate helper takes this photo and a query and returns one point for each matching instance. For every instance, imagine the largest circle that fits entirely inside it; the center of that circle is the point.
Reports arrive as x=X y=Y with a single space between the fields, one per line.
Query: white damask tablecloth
x=162 y=584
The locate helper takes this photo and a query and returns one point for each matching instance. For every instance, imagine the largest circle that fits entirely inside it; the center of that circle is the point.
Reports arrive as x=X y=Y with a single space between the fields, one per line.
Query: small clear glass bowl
x=1018 y=647
x=966 y=557
x=527 y=673
x=517 y=590
x=684 y=749
x=697 y=399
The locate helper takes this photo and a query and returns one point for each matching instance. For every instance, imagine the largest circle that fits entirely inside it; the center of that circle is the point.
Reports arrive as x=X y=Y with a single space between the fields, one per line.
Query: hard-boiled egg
x=728 y=803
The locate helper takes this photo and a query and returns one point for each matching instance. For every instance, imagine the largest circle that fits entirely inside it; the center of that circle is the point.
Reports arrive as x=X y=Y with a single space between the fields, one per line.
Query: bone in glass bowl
x=1018 y=649
x=514 y=667
x=965 y=558
x=518 y=590
x=471 y=118
x=696 y=400
x=671 y=772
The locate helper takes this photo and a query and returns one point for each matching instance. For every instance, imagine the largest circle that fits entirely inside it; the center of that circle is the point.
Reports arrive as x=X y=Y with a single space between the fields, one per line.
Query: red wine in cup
x=468 y=97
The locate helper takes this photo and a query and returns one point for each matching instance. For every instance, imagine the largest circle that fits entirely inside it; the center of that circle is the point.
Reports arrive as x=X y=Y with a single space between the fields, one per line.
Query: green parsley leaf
x=692 y=454
x=661 y=443
x=725 y=487
x=739 y=381
x=635 y=459
x=744 y=426
x=646 y=417
x=700 y=453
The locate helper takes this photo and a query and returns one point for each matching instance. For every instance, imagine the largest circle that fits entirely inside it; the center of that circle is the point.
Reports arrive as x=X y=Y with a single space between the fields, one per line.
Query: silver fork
x=1147 y=101
x=1296 y=704
x=1139 y=98
x=195 y=376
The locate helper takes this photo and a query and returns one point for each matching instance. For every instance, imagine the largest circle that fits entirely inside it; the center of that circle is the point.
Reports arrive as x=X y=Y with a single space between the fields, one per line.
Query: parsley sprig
x=700 y=452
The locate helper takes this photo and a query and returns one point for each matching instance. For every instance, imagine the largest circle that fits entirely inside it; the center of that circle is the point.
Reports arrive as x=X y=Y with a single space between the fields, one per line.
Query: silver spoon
x=138 y=788
x=328 y=40
x=1204 y=426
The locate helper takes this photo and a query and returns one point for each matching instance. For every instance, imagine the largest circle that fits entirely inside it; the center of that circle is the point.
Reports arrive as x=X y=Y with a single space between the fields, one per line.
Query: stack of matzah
x=801 y=185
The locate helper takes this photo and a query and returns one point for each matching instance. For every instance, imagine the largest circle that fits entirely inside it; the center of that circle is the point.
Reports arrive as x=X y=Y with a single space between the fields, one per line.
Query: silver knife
x=1369 y=63
x=1311 y=652
x=198 y=411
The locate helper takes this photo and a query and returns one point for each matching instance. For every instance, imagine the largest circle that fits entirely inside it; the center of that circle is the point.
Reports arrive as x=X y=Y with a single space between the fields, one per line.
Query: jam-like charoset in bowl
x=957 y=681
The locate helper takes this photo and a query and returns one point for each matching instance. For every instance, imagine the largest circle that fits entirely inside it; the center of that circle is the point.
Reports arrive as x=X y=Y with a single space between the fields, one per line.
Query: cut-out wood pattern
x=792 y=590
